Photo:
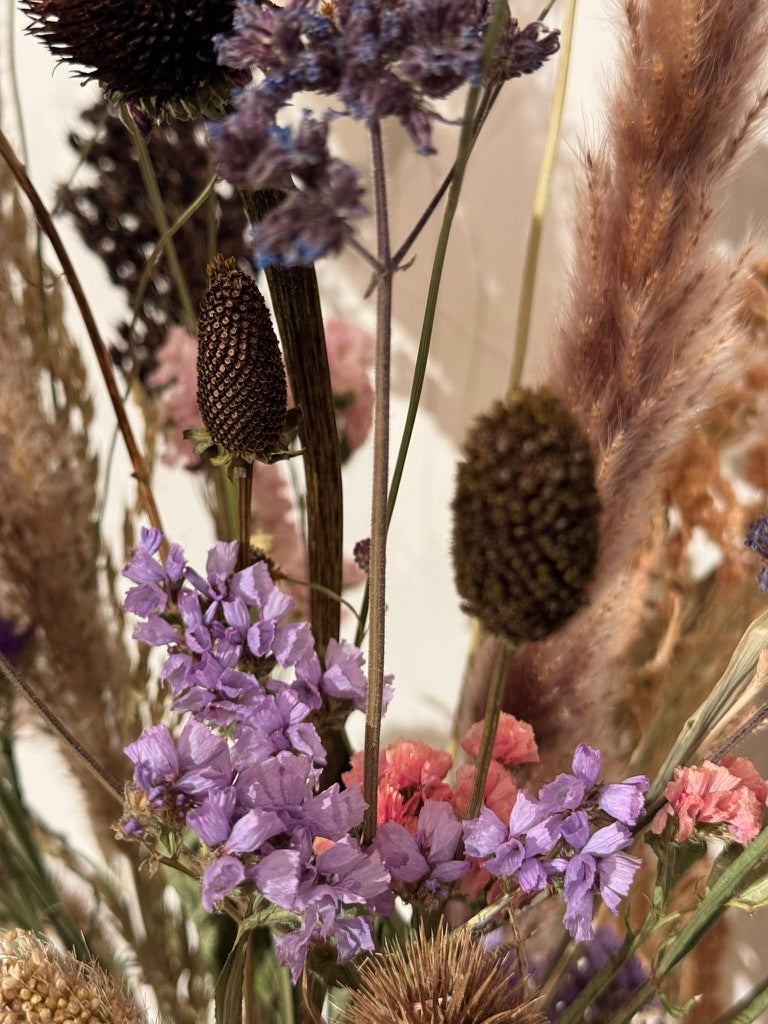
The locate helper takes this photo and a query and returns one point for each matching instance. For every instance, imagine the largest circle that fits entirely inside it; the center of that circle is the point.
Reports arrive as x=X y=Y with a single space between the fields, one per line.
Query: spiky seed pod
x=159 y=56
x=241 y=388
x=439 y=979
x=525 y=518
x=38 y=984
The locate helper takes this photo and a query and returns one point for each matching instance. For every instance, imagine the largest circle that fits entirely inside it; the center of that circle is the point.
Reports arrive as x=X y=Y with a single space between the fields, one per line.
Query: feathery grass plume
x=651 y=337
x=49 y=572
x=525 y=517
x=442 y=978
x=38 y=984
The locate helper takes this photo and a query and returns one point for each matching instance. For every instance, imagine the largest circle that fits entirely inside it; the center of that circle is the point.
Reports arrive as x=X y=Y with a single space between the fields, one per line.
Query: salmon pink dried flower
x=715 y=794
x=514 y=743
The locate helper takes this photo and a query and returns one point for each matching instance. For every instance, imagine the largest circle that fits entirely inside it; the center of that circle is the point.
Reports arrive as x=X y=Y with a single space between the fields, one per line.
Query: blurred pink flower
x=500 y=790
x=731 y=794
x=177 y=411
x=350 y=356
x=514 y=743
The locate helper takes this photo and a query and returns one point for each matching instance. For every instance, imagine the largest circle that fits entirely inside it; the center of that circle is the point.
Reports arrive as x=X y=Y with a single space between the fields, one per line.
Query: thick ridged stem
x=378 y=562
x=296 y=302
x=244 y=489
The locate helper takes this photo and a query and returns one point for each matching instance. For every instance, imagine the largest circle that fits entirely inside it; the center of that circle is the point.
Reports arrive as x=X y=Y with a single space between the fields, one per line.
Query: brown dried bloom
x=241 y=387
x=525 y=533
x=159 y=56
x=38 y=984
x=440 y=979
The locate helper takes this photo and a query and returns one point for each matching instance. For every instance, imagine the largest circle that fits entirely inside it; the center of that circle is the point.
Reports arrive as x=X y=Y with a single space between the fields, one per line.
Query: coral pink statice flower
x=731 y=794
x=500 y=789
x=410 y=772
x=514 y=743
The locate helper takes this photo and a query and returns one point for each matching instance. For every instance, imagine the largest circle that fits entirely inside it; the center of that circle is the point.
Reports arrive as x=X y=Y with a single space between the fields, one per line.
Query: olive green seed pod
x=525 y=518
x=241 y=389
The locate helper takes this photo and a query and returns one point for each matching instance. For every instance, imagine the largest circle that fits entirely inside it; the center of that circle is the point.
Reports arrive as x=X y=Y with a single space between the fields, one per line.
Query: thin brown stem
x=378 y=562
x=104 y=777
x=100 y=349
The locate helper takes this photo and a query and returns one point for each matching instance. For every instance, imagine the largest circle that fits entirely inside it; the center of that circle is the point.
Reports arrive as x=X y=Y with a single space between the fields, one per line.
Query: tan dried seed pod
x=241 y=388
x=525 y=518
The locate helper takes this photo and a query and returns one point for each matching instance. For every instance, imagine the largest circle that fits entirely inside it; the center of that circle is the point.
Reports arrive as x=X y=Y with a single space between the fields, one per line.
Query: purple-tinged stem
x=378 y=562
x=490 y=725
x=244 y=488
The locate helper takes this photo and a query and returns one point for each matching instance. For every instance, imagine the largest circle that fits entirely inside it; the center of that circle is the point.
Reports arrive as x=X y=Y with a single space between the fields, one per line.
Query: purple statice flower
x=379 y=59
x=757 y=539
x=426 y=859
x=598 y=867
x=178 y=774
x=155 y=584
x=622 y=801
x=593 y=955
x=322 y=888
x=522 y=848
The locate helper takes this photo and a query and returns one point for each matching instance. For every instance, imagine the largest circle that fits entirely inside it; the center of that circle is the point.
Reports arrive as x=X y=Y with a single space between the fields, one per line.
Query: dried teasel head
x=241 y=387
x=38 y=984
x=158 y=56
x=525 y=518
x=439 y=979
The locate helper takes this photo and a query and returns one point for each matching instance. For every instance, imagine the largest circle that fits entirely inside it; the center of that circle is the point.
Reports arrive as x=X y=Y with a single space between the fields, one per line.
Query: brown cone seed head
x=525 y=518
x=241 y=388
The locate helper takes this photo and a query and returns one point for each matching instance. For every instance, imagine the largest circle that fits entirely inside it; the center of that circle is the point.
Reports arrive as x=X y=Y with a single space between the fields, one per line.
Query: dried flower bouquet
x=576 y=860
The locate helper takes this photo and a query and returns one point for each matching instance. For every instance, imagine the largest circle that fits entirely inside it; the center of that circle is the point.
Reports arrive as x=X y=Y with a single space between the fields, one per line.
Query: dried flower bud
x=241 y=388
x=526 y=511
x=39 y=984
x=442 y=977
x=159 y=56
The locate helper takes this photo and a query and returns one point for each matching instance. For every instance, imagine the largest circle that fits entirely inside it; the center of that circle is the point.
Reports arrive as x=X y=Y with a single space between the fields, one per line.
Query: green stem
x=378 y=563
x=541 y=199
x=149 y=178
x=466 y=142
x=490 y=726
x=749 y=1007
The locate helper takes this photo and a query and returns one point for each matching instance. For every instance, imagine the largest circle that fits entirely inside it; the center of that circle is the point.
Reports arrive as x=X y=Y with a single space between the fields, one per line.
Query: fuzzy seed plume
x=525 y=518
x=241 y=387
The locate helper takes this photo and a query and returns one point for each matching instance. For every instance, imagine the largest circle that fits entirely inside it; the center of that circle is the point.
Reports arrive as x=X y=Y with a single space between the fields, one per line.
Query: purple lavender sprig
x=243 y=774
x=378 y=59
x=554 y=841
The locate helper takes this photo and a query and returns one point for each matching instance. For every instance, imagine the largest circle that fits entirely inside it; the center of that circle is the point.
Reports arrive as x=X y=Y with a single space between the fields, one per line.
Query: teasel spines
x=445 y=977
x=158 y=56
x=525 y=518
x=241 y=387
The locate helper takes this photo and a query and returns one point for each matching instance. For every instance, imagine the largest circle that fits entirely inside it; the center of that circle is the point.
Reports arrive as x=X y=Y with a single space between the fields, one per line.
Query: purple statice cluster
x=572 y=837
x=378 y=59
x=244 y=772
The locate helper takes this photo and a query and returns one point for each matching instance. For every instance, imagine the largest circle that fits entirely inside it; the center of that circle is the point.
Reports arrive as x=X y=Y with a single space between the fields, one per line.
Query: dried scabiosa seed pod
x=241 y=388
x=525 y=518
x=158 y=56
x=446 y=978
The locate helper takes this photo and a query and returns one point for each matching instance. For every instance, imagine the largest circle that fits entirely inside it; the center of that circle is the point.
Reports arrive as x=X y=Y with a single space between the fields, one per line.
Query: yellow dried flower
x=40 y=985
